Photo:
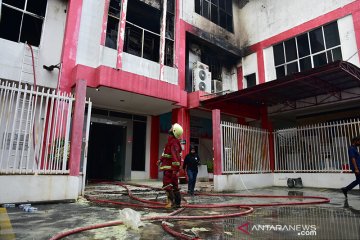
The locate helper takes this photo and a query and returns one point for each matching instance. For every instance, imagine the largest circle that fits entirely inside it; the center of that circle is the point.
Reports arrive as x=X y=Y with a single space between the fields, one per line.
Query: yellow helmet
x=177 y=130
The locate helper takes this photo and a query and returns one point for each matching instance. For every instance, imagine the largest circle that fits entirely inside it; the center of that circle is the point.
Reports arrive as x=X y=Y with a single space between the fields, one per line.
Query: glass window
x=303 y=45
x=214 y=13
x=197 y=7
x=292 y=68
x=37 y=7
x=308 y=50
x=206 y=11
x=319 y=59
x=22 y=21
x=317 y=40
x=331 y=32
x=305 y=63
x=217 y=11
x=250 y=80
x=290 y=50
x=280 y=71
x=279 y=54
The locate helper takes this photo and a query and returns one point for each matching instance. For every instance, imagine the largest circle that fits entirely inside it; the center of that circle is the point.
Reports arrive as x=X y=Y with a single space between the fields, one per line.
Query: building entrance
x=106 y=154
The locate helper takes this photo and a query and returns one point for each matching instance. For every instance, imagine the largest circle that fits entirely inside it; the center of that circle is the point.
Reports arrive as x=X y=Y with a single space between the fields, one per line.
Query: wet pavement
x=339 y=219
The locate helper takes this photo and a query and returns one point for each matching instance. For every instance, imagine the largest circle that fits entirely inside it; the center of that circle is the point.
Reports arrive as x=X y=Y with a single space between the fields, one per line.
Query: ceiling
x=122 y=101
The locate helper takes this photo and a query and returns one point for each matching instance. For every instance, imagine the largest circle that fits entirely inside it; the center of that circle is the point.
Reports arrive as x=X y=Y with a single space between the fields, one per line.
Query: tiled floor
x=339 y=219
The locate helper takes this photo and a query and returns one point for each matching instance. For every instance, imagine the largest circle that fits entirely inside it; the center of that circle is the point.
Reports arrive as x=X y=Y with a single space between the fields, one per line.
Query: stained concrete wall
x=11 y=55
x=91 y=53
x=237 y=182
x=188 y=14
x=33 y=188
x=262 y=19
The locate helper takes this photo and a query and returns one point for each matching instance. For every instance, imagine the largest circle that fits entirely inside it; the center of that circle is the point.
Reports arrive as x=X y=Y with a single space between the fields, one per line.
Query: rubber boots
x=169 y=199
x=177 y=196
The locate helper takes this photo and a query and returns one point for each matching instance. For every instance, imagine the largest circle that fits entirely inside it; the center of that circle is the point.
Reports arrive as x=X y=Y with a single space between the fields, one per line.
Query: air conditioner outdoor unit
x=200 y=65
x=217 y=86
x=202 y=79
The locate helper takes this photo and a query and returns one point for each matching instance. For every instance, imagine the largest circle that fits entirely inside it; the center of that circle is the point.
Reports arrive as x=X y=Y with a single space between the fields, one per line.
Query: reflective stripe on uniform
x=165 y=167
x=176 y=163
x=166 y=155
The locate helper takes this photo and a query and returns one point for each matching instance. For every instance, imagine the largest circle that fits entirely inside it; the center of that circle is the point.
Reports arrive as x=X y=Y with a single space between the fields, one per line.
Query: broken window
x=113 y=24
x=250 y=80
x=22 y=21
x=142 y=30
x=312 y=49
x=169 y=33
x=217 y=11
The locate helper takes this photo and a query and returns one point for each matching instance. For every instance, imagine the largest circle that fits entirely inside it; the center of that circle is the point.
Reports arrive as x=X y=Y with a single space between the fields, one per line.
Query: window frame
x=24 y=13
x=228 y=13
x=311 y=53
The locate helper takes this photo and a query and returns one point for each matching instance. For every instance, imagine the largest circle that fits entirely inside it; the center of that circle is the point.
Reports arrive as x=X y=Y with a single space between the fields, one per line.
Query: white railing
x=315 y=148
x=34 y=130
x=245 y=149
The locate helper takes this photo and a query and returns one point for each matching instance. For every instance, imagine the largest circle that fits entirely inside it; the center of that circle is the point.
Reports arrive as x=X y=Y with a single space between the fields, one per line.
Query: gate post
x=216 y=127
x=154 y=146
x=266 y=124
x=77 y=127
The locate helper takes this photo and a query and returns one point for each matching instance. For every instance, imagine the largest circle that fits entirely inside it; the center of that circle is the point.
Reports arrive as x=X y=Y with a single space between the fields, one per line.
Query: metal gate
x=315 y=148
x=245 y=149
x=35 y=130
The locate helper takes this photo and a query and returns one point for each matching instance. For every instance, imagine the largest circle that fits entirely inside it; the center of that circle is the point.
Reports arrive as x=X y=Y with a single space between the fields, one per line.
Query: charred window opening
x=219 y=61
x=250 y=80
x=113 y=24
x=169 y=33
x=142 y=30
x=22 y=21
x=217 y=11
x=312 y=49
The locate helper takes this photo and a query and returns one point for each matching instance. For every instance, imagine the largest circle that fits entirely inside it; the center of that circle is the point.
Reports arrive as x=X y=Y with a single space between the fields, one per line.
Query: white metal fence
x=245 y=149
x=34 y=130
x=315 y=148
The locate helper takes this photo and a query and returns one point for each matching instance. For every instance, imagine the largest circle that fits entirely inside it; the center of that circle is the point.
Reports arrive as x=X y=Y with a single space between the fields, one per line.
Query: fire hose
x=248 y=208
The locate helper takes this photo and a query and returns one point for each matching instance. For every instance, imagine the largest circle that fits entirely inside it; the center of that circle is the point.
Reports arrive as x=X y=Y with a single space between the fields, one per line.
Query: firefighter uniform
x=170 y=164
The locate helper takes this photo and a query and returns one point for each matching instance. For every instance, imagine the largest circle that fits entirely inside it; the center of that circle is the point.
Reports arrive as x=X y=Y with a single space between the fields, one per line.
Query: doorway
x=106 y=154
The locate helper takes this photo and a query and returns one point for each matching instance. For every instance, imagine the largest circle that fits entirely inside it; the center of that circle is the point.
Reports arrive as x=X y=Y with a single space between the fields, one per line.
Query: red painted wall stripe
x=216 y=141
x=240 y=78
x=71 y=37
x=77 y=128
x=154 y=146
x=351 y=8
x=130 y=82
x=261 y=66
x=356 y=18
x=121 y=33
x=104 y=25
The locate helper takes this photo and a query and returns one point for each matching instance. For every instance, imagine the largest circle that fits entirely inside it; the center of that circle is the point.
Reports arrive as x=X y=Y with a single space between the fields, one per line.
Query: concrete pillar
x=162 y=39
x=216 y=141
x=121 y=33
x=154 y=146
x=71 y=36
x=77 y=128
x=182 y=117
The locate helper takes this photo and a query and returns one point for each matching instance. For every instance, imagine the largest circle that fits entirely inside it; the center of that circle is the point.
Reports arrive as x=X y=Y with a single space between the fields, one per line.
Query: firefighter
x=170 y=164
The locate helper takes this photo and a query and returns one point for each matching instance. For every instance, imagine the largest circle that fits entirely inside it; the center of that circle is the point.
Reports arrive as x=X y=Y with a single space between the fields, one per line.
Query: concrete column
x=162 y=39
x=77 y=128
x=266 y=124
x=216 y=141
x=71 y=36
x=154 y=146
x=182 y=117
x=121 y=33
